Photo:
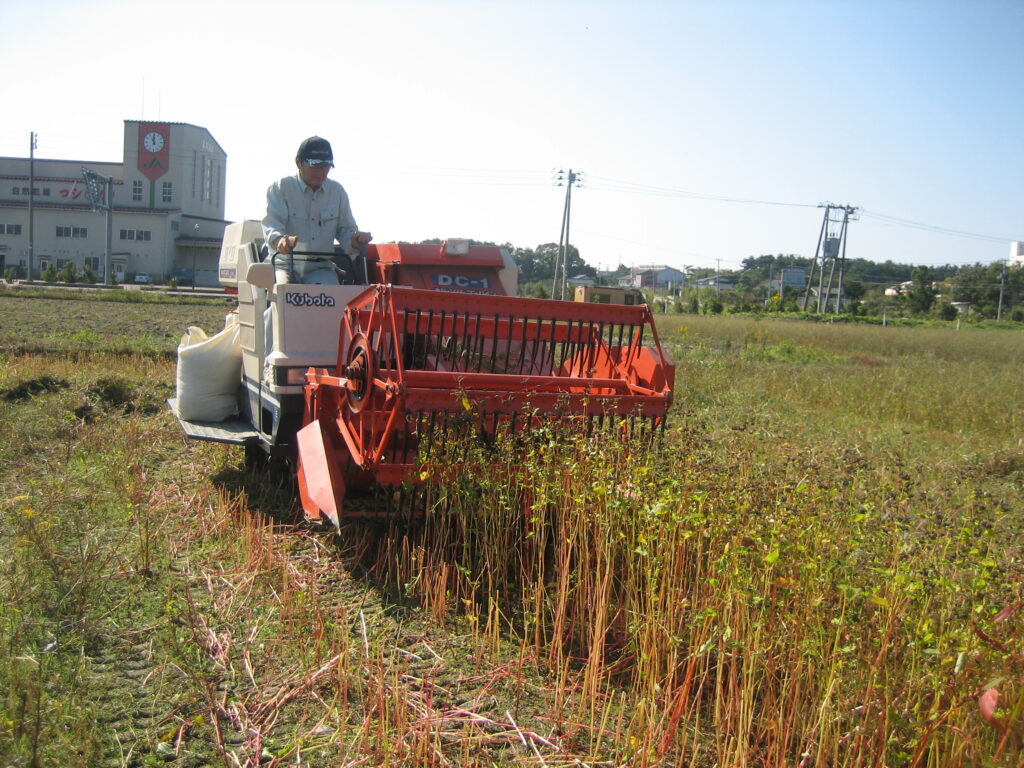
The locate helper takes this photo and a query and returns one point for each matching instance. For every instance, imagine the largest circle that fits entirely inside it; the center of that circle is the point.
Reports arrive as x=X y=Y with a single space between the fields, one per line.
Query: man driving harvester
x=306 y=213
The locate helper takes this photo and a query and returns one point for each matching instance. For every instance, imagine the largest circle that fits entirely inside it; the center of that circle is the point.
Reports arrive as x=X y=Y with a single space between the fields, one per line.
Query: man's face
x=313 y=175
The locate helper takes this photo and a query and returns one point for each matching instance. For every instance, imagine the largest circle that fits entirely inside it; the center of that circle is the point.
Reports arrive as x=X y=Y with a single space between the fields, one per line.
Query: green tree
x=50 y=274
x=855 y=290
x=920 y=297
x=980 y=285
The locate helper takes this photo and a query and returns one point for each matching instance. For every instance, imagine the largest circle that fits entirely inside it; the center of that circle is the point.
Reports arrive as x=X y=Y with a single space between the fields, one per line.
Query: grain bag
x=209 y=373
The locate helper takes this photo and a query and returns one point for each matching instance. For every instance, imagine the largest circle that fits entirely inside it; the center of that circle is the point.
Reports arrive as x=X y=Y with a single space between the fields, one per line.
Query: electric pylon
x=831 y=249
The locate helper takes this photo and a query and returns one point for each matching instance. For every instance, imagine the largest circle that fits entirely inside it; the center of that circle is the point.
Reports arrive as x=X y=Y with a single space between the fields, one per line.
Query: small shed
x=603 y=294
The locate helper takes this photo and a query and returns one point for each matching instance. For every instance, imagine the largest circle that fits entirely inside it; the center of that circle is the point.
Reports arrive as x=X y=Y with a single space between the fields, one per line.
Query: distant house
x=828 y=297
x=653 y=276
x=790 y=277
x=904 y=287
x=899 y=290
x=718 y=282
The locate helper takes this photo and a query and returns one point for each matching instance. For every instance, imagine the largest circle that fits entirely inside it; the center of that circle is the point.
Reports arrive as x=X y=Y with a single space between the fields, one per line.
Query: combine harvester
x=361 y=380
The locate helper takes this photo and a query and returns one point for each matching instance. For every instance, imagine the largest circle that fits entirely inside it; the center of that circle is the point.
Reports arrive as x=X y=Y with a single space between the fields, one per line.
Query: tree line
x=921 y=290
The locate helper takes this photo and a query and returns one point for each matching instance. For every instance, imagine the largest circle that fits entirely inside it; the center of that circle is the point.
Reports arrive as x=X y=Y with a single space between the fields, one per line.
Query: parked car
x=143 y=278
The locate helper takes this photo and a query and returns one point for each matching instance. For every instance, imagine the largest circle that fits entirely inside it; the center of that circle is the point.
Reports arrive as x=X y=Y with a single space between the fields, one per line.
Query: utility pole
x=562 y=258
x=195 y=247
x=1002 y=288
x=31 y=196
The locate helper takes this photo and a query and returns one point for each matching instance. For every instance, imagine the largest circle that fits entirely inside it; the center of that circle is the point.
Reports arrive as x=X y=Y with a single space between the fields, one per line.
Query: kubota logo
x=308 y=300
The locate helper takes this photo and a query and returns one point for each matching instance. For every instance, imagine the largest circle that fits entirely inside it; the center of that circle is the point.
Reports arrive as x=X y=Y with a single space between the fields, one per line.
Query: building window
x=72 y=231
x=167 y=192
x=46 y=191
x=10 y=229
x=92 y=262
x=136 y=191
x=208 y=180
x=136 y=234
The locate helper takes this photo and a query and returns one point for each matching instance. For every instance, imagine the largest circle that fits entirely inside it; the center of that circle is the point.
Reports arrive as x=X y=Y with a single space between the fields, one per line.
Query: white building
x=789 y=277
x=653 y=276
x=168 y=208
x=1017 y=254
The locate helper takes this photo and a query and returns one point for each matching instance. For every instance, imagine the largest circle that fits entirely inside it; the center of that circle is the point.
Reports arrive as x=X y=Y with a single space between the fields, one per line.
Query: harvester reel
x=421 y=370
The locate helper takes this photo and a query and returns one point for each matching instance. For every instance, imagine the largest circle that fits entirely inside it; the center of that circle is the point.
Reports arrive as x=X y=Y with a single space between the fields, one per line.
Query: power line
x=606 y=184
x=934 y=227
x=614 y=185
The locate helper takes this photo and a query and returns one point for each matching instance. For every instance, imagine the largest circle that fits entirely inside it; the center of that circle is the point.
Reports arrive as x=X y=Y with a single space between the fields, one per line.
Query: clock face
x=153 y=142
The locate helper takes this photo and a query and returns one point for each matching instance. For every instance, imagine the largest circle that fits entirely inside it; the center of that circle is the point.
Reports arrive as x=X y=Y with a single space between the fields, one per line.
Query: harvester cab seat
x=346 y=268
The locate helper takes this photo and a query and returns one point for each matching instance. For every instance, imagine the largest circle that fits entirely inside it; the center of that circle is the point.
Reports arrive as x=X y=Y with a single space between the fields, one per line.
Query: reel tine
x=437 y=340
x=533 y=351
x=494 y=342
x=523 y=322
x=464 y=347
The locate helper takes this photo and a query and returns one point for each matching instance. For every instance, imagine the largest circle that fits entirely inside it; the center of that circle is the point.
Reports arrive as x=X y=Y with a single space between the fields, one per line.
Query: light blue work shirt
x=316 y=217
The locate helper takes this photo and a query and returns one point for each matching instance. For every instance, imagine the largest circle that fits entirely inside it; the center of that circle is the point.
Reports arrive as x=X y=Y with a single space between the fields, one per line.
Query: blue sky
x=707 y=131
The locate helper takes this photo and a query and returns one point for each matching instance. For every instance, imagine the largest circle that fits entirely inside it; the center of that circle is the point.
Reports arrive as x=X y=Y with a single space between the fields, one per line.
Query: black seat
x=347 y=274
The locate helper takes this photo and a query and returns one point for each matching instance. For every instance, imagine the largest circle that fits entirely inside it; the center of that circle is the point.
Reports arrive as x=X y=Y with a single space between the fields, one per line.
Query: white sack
x=209 y=373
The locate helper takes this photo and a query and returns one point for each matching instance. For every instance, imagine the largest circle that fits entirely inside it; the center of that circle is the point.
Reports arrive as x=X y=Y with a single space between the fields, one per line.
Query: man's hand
x=361 y=238
x=286 y=244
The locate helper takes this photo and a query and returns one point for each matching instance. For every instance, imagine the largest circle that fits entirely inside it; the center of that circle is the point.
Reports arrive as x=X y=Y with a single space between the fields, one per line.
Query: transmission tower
x=831 y=251
x=567 y=180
